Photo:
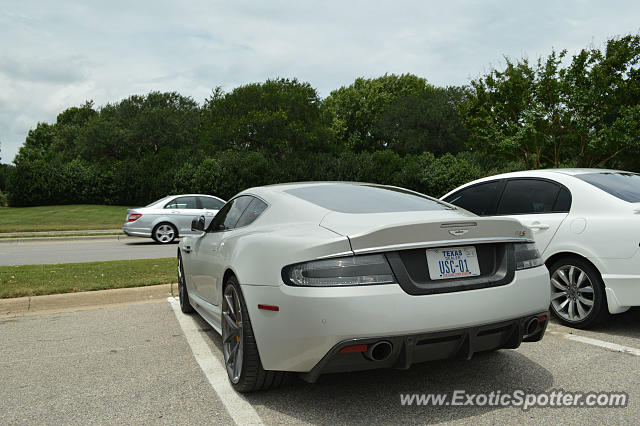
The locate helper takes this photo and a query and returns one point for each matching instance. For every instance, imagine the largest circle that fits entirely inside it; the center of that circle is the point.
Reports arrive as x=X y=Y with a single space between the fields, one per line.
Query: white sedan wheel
x=572 y=293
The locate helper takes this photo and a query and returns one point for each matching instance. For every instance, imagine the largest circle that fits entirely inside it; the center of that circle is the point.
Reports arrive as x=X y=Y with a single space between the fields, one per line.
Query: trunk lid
x=394 y=231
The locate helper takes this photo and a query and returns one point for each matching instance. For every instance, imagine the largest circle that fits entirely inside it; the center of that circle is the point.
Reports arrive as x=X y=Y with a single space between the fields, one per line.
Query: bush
x=448 y=172
x=239 y=170
x=137 y=182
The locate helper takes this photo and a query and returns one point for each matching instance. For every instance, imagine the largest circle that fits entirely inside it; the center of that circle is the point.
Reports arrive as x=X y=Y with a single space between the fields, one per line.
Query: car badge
x=458 y=232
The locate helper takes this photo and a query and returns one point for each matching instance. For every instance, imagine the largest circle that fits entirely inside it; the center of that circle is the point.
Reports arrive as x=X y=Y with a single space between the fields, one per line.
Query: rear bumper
x=132 y=231
x=623 y=291
x=415 y=348
x=312 y=321
x=622 y=282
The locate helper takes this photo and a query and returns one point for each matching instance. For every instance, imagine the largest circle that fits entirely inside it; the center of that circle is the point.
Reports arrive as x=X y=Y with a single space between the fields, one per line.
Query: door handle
x=539 y=226
x=175 y=212
x=186 y=249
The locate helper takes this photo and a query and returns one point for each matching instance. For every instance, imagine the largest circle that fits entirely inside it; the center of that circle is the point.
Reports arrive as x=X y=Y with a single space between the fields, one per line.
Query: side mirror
x=197 y=224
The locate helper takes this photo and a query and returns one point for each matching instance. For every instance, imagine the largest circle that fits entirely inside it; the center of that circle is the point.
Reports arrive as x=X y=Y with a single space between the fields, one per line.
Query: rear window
x=158 y=201
x=625 y=186
x=347 y=198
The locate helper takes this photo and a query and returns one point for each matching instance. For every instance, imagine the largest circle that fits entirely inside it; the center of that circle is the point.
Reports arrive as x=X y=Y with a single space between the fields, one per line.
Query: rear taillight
x=340 y=271
x=527 y=256
x=133 y=217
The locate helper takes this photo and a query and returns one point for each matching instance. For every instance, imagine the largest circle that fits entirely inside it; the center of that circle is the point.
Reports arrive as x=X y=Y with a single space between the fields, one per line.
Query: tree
x=603 y=100
x=502 y=115
x=427 y=121
x=141 y=125
x=359 y=107
x=5 y=171
x=277 y=117
x=402 y=113
x=69 y=124
x=584 y=114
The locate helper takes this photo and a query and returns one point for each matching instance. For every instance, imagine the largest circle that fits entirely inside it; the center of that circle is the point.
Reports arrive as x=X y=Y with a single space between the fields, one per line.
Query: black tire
x=183 y=293
x=251 y=377
x=164 y=233
x=578 y=291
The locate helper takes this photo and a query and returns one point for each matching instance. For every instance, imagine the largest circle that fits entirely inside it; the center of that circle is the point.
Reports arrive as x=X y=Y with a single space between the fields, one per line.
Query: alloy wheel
x=165 y=233
x=232 y=336
x=572 y=293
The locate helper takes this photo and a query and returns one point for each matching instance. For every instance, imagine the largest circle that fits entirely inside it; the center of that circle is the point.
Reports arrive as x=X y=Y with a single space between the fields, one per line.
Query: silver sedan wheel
x=572 y=293
x=232 y=334
x=165 y=233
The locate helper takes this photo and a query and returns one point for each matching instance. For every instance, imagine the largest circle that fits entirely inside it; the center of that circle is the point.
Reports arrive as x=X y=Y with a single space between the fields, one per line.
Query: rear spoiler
x=442 y=243
x=424 y=235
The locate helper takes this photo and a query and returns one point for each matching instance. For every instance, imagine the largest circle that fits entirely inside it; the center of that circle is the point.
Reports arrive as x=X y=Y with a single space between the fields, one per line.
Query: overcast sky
x=57 y=54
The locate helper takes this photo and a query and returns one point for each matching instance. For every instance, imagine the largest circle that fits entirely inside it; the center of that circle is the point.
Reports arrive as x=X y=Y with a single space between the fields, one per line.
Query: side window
x=182 y=203
x=211 y=203
x=251 y=213
x=527 y=196
x=228 y=216
x=479 y=199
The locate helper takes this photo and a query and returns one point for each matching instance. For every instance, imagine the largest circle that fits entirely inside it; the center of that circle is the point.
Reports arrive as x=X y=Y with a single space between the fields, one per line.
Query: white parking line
x=239 y=409
x=599 y=343
x=605 y=345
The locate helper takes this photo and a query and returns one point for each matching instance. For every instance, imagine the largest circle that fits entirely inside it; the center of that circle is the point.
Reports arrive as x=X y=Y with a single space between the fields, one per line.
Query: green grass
x=61 y=218
x=72 y=234
x=33 y=280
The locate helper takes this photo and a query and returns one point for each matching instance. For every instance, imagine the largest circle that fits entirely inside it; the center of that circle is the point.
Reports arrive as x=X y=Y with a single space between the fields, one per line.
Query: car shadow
x=626 y=324
x=149 y=243
x=373 y=396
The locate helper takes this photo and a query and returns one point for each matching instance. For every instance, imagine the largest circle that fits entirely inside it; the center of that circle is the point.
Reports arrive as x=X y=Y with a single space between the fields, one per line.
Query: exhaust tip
x=379 y=351
x=532 y=326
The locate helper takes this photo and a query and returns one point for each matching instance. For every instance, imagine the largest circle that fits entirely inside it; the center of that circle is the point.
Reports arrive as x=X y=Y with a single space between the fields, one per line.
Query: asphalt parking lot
x=143 y=364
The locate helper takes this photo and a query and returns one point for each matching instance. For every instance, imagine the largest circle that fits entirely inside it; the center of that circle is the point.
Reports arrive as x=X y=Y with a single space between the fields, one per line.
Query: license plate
x=452 y=262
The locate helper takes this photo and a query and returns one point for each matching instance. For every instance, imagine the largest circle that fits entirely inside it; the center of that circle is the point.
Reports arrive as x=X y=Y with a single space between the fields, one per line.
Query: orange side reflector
x=542 y=318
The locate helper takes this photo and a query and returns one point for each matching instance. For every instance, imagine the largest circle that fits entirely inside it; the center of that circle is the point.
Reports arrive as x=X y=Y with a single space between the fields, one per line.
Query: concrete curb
x=77 y=237
x=69 y=302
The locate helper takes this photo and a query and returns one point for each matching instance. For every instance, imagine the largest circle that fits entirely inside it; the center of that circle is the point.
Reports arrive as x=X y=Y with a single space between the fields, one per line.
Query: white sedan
x=317 y=278
x=586 y=223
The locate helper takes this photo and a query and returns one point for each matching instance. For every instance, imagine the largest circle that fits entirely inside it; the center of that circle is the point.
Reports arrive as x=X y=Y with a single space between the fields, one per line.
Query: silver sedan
x=166 y=219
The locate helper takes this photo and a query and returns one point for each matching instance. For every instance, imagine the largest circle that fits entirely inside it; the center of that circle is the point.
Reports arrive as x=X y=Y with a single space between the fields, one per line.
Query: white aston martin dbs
x=329 y=277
